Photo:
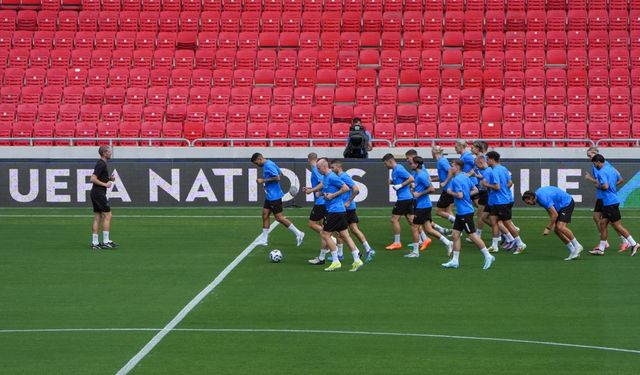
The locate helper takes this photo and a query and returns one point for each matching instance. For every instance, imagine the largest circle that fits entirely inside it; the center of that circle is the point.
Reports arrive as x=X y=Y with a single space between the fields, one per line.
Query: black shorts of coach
x=483 y=198
x=611 y=213
x=99 y=201
x=403 y=207
x=275 y=206
x=464 y=223
x=445 y=200
x=598 y=206
x=422 y=215
x=352 y=217
x=502 y=211
x=564 y=214
x=318 y=212
x=335 y=222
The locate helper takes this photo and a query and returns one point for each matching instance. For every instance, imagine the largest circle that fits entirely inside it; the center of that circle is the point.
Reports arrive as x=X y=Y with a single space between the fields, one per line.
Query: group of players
x=476 y=182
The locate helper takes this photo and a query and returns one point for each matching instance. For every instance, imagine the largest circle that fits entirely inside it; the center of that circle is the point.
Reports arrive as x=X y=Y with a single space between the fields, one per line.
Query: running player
x=400 y=181
x=608 y=178
x=273 y=201
x=422 y=218
x=332 y=188
x=469 y=164
x=560 y=207
x=499 y=185
x=350 y=206
x=410 y=154
x=597 y=210
x=461 y=188
x=101 y=180
x=319 y=209
x=444 y=207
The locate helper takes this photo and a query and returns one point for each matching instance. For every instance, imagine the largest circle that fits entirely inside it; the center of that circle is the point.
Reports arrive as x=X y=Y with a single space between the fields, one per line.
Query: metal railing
x=270 y=141
x=514 y=141
x=110 y=141
x=633 y=141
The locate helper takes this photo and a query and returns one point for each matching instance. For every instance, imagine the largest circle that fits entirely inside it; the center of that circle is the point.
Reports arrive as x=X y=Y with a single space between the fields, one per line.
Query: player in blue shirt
x=499 y=186
x=478 y=149
x=597 y=210
x=444 y=206
x=560 y=207
x=332 y=187
x=608 y=179
x=410 y=154
x=422 y=219
x=319 y=210
x=350 y=206
x=469 y=163
x=273 y=201
x=461 y=188
x=400 y=181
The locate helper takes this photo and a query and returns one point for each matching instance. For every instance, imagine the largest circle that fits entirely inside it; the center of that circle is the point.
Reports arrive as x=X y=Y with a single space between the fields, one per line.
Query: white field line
x=185 y=310
x=256 y=216
x=329 y=332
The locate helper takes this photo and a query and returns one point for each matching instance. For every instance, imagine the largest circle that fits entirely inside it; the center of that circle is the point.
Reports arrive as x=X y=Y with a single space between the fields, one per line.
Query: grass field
x=65 y=309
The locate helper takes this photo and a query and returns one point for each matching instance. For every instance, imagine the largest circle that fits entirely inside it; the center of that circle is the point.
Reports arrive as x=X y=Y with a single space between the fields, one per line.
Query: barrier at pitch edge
x=207 y=183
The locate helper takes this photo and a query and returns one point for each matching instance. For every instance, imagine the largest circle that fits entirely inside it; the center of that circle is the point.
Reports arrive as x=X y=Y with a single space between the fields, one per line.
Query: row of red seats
x=173 y=21
x=253 y=135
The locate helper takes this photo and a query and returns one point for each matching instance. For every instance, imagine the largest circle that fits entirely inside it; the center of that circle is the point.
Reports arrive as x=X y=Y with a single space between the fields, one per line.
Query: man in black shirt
x=101 y=180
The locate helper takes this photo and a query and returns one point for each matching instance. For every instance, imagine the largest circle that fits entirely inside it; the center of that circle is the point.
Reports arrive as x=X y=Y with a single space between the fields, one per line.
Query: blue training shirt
x=331 y=183
x=594 y=173
x=469 y=163
x=484 y=173
x=422 y=183
x=552 y=196
x=272 y=188
x=609 y=175
x=443 y=167
x=503 y=177
x=350 y=183
x=316 y=179
x=462 y=183
x=399 y=175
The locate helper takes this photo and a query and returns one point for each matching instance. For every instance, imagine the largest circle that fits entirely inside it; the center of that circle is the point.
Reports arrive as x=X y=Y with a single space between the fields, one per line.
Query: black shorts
x=403 y=207
x=611 y=213
x=483 y=197
x=464 y=223
x=352 y=217
x=475 y=196
x=100 y=201
x=487 y=208
x=502 y=211
x=318 y=212
x=598 y=207
x=422 y=216
x=274 y=206
x=335 y=222
x=564 y=214
x=445 y=200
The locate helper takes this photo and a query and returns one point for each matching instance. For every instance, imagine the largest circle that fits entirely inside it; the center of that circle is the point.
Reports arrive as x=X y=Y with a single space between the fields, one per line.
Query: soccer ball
x=293 y=190
x=275 y=256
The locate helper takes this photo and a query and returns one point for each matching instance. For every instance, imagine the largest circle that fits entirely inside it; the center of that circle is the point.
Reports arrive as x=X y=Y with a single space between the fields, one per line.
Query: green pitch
x=395 y=316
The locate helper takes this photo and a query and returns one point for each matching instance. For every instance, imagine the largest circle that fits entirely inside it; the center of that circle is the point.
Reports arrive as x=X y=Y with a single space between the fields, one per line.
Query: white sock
x=519 y=241
x=570 y=247
x=94 y=239
x=340 y=248
x=509 y=237
x=602 y=246
x=323 y=254
x=366 y=246
x=423 y=236
x=445 y=240
x=624 y=240
x=485 y=252
x=451 y=218
x=356 y=255
x=334 y=256
x=415 y=247
x=396 y=238
x=294 y=230
x=631 y=241
x=438 y=227
x=479 y=232
x=265 y=233
x=456 y=255
x=575 y=243
x=495 y=241
x=105 y=236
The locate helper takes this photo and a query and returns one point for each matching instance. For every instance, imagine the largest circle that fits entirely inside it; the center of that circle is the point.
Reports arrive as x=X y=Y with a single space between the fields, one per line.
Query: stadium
x=220 y=148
